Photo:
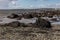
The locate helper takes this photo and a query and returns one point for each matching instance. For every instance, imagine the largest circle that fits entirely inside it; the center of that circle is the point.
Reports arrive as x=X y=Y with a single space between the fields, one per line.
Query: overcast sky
x=14 y=4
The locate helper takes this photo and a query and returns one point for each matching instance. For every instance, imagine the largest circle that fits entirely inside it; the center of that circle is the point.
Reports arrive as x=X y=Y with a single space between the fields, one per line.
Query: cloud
x=4 y=3
x=47 y=5
x=12 y=4
x=56 y=5
x=30 y=4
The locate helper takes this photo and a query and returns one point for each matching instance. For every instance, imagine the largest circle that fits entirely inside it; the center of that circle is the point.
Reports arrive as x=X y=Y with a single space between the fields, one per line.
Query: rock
x=23 y=25
x=13 y=16
x=36 y=14
x=42 y=23
x=14 y=24
x=50 y=16
x=20 y=17
x=54 y=19
x=30 y=25
x=27 y=16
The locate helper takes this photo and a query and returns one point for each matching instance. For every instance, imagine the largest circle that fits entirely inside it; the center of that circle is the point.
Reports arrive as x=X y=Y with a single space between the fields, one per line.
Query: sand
x=28 y=33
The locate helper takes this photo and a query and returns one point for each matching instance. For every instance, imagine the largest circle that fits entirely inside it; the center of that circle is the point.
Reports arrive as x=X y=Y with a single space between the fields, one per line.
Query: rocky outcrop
x=43 y=23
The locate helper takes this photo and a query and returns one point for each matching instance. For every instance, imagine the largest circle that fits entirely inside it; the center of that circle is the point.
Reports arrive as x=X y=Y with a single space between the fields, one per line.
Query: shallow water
x=56 y=23
x=4 y=19
x=26 y=21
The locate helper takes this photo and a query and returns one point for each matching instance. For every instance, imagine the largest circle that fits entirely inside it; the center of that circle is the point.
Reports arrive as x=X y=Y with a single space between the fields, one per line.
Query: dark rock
x=23 y=25
x=20 y=17
x=54 y=19
x=14 y=24
x=13 y=16
x=36 y=14
x=42 y=23
x=50 y=16
x=27 y=16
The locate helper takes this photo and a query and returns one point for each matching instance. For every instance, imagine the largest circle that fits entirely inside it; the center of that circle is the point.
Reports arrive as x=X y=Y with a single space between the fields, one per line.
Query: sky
x=30 y=4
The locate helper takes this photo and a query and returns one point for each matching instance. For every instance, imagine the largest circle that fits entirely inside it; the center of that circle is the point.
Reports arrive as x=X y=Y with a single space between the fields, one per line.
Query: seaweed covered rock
x=13 y=16
x=14 y=24
x=42 y=23
x=27 y=16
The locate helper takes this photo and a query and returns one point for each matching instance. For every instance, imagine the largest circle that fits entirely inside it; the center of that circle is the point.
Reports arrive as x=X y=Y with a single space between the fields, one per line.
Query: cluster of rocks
x=40 y=23
x=25 y=15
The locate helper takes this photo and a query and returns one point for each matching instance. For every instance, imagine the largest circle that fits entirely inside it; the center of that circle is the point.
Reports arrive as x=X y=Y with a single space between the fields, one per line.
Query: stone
x=27 y=16
x=42 y=23
x=14 y=24
x=12 y=16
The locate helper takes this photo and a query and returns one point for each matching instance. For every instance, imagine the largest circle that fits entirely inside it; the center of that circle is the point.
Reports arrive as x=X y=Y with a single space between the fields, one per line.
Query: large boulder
x=42 y=23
